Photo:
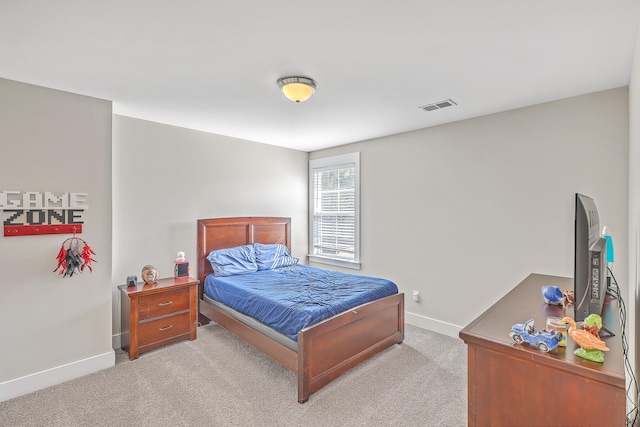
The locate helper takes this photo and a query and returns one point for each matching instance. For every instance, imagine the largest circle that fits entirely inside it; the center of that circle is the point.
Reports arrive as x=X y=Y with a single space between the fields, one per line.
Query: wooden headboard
x=219 y=233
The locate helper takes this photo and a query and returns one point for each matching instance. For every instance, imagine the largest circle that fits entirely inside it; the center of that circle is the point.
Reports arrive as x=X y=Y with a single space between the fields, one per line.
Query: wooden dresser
x=517 y=385
x=158 y=313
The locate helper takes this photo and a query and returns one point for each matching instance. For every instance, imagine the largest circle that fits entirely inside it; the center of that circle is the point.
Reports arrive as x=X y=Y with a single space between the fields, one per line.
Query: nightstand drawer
x=159 y=304
x=163 y=329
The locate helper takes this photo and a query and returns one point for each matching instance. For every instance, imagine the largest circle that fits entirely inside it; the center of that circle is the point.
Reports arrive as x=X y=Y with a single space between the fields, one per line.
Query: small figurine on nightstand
x=181 y=266
x=591 y=347
x=149 y=274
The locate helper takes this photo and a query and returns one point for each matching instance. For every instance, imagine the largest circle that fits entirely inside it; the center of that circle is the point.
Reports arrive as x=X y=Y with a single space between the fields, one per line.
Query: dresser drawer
x=163 y=329
x=163 y=303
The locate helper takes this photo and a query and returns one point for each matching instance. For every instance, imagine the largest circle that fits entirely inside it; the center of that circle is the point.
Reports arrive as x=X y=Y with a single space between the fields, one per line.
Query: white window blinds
x=334 y=185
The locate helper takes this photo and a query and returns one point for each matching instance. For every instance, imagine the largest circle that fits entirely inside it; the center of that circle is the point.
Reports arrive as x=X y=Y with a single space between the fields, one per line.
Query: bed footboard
x=332 y=347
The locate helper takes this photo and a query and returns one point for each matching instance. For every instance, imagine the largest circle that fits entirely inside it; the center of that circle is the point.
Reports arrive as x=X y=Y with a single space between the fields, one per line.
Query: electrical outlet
x=416 y=296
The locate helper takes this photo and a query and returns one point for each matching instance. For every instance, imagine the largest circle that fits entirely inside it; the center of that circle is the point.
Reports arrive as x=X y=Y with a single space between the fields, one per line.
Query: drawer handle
x=166 y=328
x=162 y=304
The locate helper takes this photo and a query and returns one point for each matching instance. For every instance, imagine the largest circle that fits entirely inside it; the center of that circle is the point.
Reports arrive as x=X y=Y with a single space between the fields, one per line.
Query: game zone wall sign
x=32 y=212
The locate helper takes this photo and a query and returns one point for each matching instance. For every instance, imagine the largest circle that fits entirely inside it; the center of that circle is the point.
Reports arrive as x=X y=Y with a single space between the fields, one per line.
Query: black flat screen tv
x=590 y=262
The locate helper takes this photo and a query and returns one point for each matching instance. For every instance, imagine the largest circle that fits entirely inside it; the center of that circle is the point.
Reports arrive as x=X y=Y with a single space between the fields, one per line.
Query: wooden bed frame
x=327 y=349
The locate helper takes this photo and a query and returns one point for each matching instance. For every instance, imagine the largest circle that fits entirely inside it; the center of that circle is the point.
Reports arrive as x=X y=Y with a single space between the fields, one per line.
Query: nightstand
x=158 y=313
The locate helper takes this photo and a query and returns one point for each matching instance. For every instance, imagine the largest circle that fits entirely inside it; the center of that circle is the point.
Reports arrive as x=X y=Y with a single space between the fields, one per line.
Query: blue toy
x=544 y=340
x=552 y=295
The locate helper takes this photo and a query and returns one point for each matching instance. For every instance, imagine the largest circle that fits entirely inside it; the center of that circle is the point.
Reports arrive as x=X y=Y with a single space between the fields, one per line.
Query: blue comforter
x=290 y=299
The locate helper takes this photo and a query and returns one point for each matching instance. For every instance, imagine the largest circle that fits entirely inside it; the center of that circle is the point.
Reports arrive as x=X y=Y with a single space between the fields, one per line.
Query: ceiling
x=212 y=65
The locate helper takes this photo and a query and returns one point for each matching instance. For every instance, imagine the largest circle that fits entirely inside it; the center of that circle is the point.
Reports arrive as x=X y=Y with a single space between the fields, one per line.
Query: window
x=334 y=207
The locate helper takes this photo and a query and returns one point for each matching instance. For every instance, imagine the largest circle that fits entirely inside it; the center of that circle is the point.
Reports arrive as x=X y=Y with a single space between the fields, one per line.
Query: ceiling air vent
x=438 y=105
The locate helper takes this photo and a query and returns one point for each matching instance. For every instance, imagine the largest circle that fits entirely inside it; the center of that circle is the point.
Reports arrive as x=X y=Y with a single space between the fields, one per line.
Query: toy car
x=544 y=340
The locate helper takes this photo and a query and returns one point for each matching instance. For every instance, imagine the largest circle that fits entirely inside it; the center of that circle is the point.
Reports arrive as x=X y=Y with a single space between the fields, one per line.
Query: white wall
x=165 y=178
x=54 y=328
x=634 y=206
x=463 y=212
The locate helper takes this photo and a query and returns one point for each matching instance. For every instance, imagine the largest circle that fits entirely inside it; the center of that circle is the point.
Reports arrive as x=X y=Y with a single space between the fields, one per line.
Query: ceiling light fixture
x=297 y=89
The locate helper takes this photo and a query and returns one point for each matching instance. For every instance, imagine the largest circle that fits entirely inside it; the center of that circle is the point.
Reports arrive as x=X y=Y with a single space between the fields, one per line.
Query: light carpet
x=218 y=380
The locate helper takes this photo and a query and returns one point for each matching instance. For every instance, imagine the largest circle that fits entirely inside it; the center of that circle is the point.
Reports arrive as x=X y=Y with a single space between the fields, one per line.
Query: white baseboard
x=50 y=377
x=116 y=341
x=432 y=324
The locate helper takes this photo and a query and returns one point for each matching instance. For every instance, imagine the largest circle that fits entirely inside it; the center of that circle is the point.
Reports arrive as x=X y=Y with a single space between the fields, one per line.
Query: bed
x=323 y=351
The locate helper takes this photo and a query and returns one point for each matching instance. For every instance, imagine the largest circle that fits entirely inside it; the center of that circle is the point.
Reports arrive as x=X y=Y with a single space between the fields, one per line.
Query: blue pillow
x=231 y=261
x=273 y=256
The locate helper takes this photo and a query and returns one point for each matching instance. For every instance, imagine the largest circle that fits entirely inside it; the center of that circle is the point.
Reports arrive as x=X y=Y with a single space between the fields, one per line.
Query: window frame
x=335 y=162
